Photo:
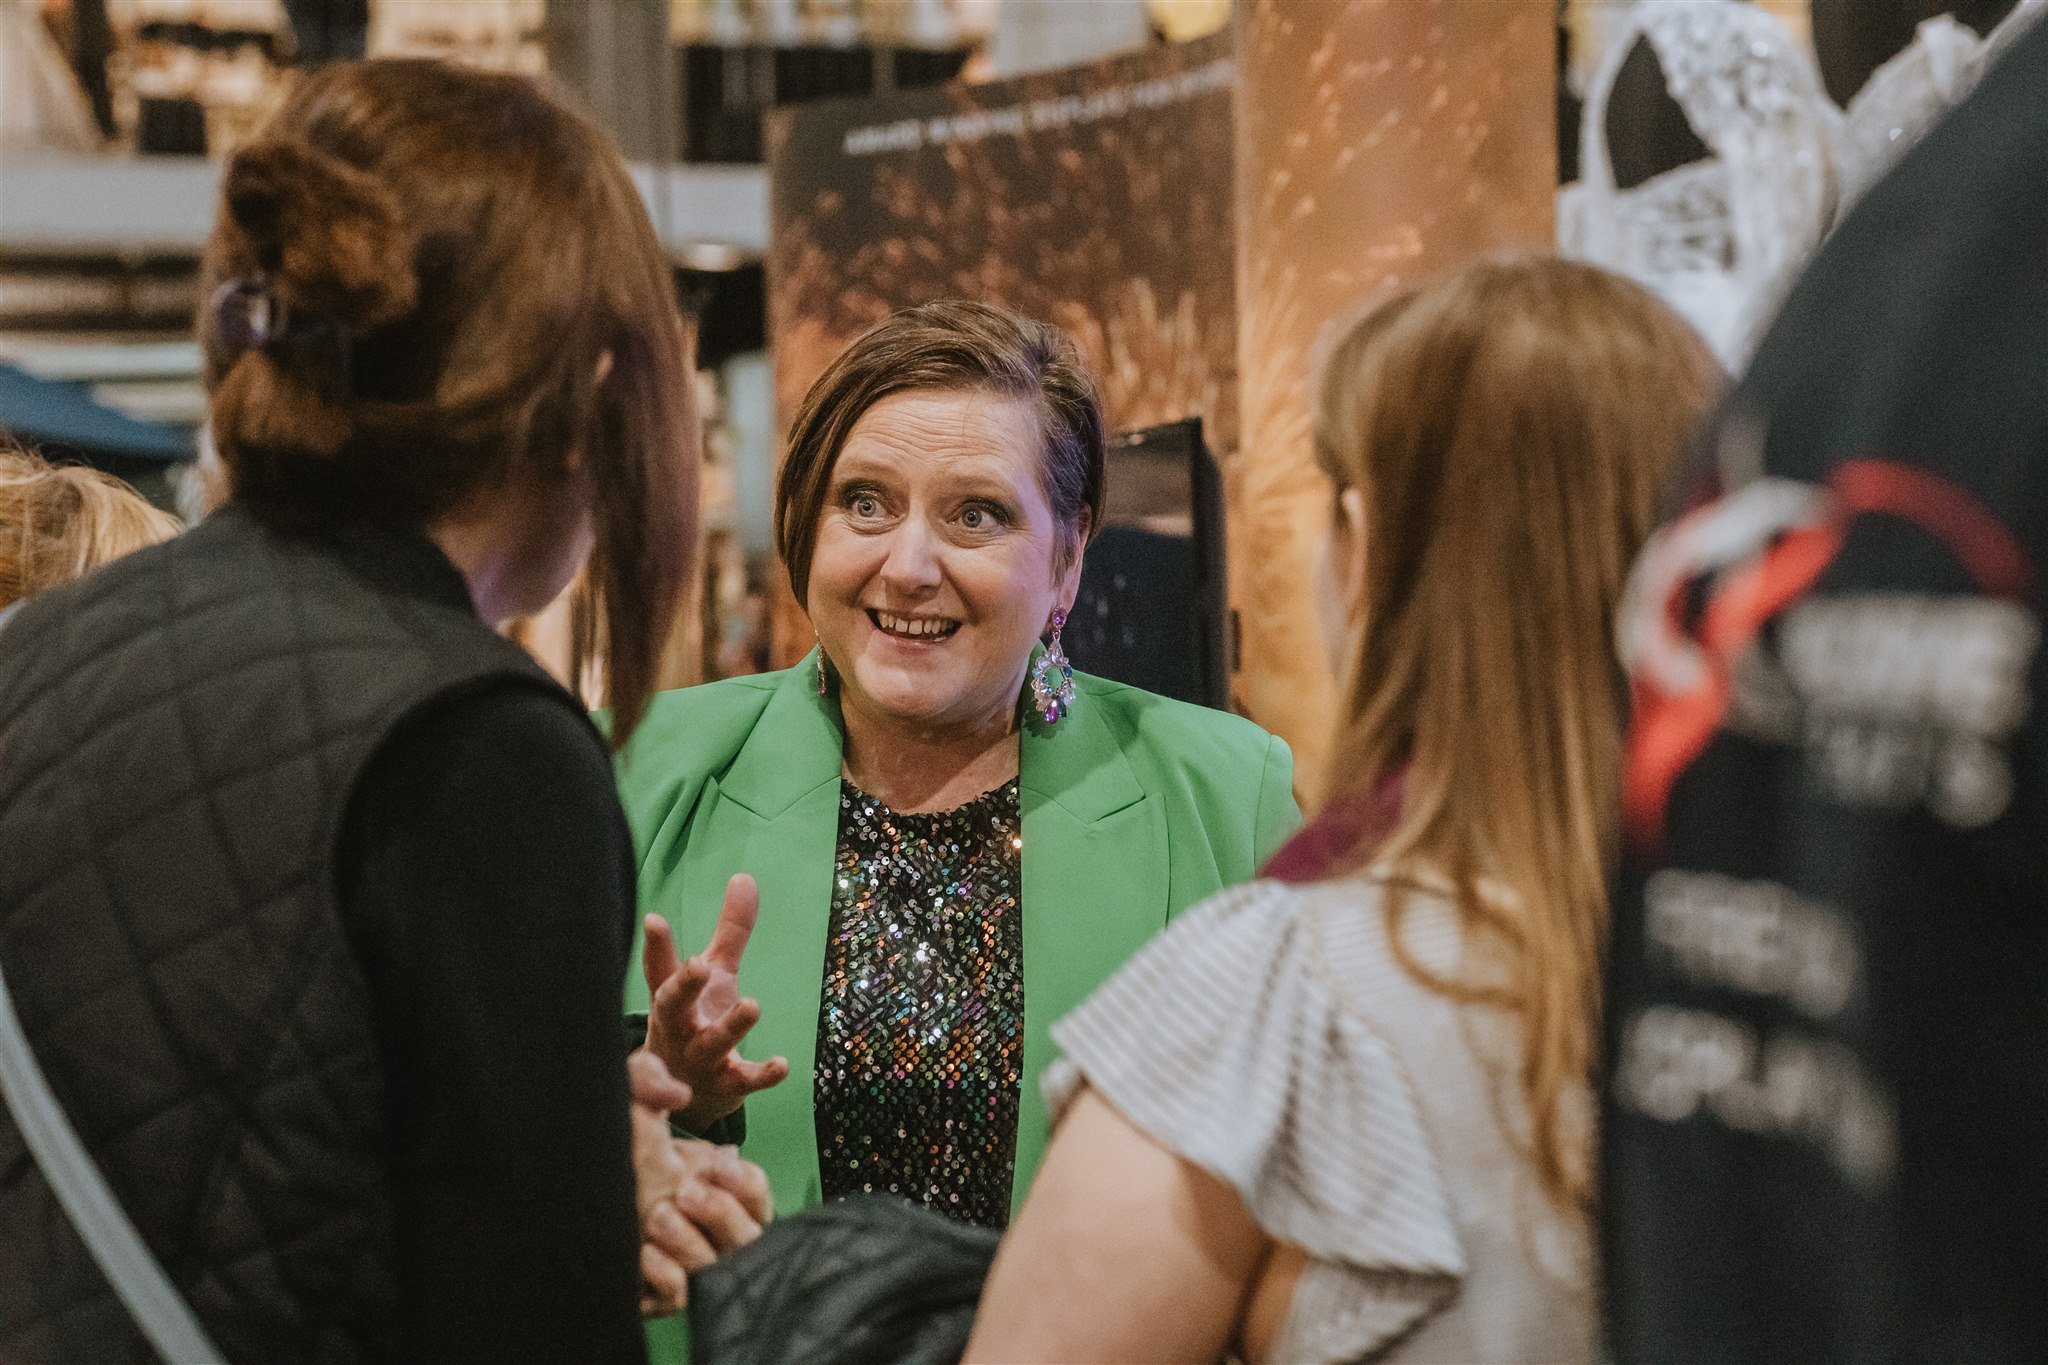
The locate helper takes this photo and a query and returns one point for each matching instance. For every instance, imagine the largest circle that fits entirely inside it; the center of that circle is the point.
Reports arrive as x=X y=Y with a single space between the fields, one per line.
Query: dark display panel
x=1151 y=610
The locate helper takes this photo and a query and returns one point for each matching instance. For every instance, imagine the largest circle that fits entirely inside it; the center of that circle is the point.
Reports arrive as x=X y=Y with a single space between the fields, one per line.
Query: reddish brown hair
x=455 y=251
x=946 y=346
x=1511 y=429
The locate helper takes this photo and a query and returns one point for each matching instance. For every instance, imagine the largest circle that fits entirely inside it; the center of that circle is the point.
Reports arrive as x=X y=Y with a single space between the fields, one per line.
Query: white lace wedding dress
x=1723 y=238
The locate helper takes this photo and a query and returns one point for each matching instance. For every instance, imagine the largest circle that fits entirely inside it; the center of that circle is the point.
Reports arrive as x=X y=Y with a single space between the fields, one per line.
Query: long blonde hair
x=1511 y=429
x=60 y=522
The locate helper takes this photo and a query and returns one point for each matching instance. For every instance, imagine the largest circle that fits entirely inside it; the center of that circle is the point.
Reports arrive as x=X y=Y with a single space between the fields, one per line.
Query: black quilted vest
x=179 y=735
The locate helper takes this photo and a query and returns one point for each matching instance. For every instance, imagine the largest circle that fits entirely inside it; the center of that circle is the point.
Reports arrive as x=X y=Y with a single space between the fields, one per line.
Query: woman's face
x=937 y=563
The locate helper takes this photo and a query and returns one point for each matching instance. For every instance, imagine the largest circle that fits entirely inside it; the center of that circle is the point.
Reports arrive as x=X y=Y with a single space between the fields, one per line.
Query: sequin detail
x=921 y=1020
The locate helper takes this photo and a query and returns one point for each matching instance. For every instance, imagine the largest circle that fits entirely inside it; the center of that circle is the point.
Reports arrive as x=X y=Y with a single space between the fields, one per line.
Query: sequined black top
x=921 y=1021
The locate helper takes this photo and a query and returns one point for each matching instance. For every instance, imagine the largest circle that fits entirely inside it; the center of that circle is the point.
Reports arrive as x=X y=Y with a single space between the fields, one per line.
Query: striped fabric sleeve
x=1223 y=1042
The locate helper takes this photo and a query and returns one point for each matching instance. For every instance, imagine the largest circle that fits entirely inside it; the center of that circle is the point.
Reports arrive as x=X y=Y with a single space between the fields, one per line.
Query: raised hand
x=695 y=1016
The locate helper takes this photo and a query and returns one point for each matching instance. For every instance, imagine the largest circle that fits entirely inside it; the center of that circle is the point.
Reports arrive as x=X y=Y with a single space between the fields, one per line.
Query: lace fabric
x=1721 y=239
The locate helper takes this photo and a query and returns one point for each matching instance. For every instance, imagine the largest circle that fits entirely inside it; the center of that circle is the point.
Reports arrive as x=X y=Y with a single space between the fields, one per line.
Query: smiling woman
x=941 y=870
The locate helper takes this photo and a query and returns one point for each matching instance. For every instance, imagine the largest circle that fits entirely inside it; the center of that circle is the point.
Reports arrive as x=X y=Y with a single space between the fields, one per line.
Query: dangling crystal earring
x=824 y=686
x=1052 y=677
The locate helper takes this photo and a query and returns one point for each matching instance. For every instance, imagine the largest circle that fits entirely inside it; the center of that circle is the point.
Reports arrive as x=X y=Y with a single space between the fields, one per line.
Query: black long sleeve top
x=486 y=881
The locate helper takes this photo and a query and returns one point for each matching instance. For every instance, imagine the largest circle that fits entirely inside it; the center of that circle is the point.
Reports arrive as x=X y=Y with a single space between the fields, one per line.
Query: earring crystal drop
x=1052 y=677
x=824 y=684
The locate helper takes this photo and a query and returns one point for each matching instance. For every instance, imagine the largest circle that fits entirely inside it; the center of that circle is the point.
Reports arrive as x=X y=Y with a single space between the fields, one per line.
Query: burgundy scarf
x=1361 y=818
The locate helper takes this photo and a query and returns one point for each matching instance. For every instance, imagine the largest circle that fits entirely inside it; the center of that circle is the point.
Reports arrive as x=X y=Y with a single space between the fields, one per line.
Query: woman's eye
x=973 y=518
x=866 y=505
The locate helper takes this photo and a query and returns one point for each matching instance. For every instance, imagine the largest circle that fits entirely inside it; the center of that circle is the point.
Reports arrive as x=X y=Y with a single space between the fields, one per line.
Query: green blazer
x=1134 y=808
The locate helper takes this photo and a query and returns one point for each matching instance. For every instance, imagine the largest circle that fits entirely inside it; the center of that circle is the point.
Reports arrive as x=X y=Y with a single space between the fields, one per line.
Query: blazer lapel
x=1095 y=887
x=775 y=815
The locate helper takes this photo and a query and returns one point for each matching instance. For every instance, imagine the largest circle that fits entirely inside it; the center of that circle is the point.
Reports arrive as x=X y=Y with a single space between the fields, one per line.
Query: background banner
x=1203 y=218
x=1097 y=198
x=1377 y=145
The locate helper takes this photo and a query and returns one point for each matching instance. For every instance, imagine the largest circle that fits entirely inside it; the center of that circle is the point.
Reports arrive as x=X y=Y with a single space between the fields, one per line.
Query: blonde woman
x=1344 y=1112
x=60 y=522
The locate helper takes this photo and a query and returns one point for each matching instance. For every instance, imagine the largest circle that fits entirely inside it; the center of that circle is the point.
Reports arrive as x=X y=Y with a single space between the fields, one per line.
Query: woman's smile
x=914 y=630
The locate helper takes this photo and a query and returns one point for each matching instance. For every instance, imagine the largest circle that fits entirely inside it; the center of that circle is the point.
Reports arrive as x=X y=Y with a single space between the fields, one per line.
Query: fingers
x=735 y=923
x=665 y=1286
x=718 y=1215
x=677 y=1234
x=753 y=1076
x=658 y=960
x=724 y=1168
x=744 y=1180
x=724 y=1034
x=653 y=1085
x=657 y=1170
x=670 y=1007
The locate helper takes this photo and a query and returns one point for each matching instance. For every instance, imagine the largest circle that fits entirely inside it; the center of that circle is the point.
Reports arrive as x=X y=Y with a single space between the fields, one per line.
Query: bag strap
x=155 y=1304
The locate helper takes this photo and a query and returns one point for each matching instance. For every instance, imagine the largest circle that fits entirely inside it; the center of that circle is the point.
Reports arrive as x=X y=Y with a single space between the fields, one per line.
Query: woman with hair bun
x=315 y=893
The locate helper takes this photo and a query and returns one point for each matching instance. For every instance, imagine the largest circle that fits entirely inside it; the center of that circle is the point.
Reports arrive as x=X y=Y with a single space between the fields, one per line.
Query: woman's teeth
x=920 y=628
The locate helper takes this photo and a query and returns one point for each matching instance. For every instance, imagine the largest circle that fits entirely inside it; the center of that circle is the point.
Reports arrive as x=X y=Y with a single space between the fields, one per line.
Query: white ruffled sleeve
x=1224 y=1041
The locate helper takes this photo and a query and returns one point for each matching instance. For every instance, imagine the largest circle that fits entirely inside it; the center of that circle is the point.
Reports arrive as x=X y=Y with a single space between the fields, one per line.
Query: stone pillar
x=1379 y=142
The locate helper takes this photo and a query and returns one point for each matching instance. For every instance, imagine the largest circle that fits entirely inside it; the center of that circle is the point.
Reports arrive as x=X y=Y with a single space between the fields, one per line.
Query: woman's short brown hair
x=60 y=522
x=947 y=346
x=416 y=278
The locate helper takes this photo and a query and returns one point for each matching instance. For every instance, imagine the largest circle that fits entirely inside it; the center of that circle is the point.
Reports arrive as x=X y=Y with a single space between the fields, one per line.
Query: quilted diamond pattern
x=179 y=734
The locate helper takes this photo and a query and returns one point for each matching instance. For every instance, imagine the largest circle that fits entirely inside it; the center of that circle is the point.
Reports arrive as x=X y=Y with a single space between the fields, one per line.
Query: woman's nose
x=913 y=561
